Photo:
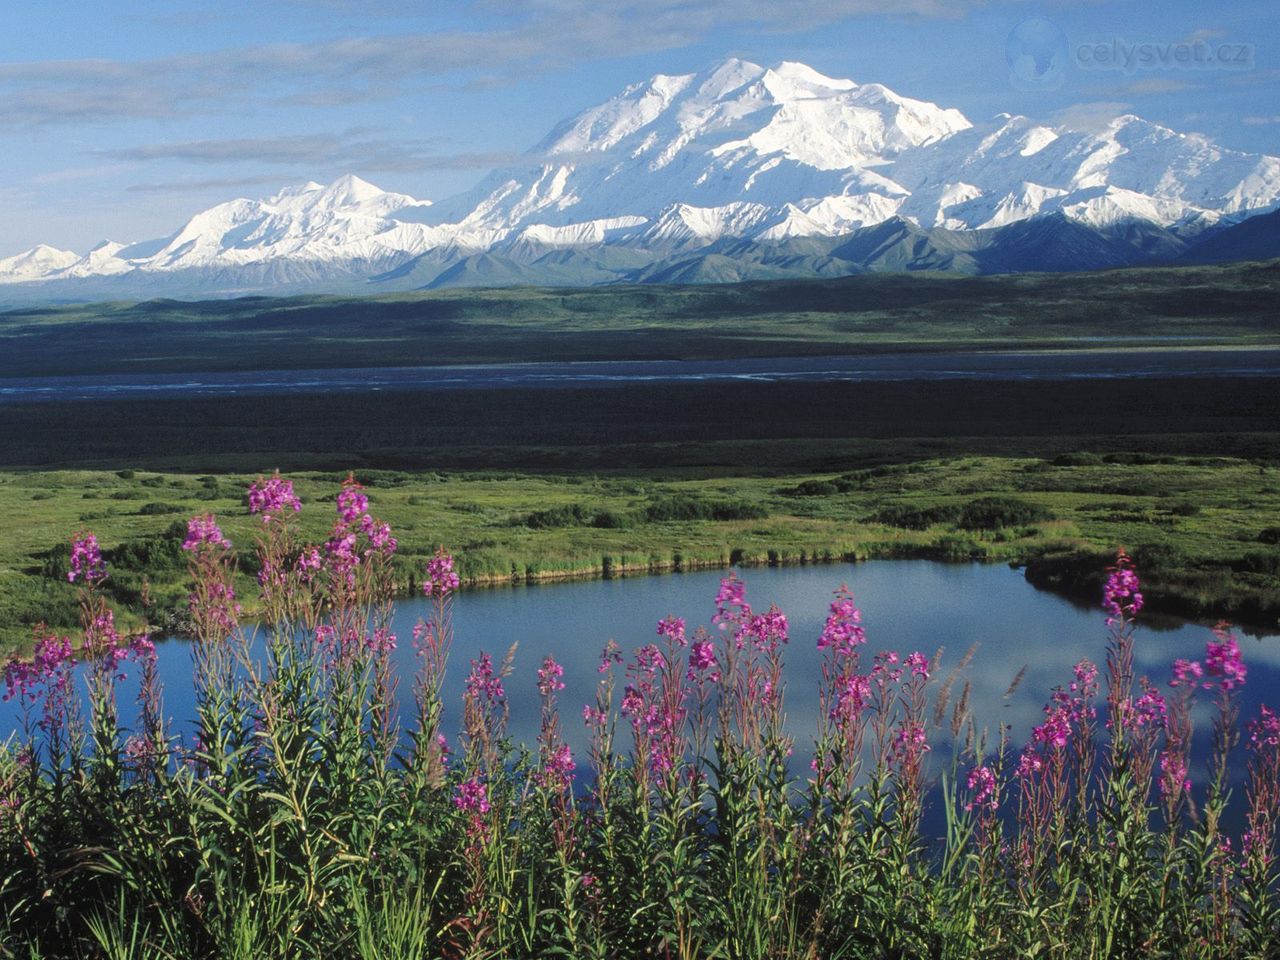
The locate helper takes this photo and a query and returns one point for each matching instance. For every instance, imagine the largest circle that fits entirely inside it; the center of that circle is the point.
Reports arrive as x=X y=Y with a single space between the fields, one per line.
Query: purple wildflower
x=673 y=629
x=352 y=502
x=1121 y=596
x=272 y=496
x=1265 y=730
x=982 y=782
x=86 y=560
x=203 y=531
x=549 y=675
x=842 y=632
x=1222 y=659
x=441 y=578
x=918 y=664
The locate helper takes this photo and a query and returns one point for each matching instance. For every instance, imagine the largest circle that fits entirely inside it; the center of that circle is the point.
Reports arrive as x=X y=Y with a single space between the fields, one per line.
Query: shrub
x=992 y=513
x=916 y=518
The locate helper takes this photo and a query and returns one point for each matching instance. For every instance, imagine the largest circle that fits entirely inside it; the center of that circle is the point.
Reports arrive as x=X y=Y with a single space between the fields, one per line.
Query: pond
x=906 y=606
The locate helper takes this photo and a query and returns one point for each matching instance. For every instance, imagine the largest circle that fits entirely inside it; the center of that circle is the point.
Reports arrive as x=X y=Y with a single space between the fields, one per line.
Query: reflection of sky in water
x=906 y=605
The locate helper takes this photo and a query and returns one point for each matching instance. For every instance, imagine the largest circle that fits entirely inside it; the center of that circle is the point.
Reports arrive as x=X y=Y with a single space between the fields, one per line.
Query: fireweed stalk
x=300 y=821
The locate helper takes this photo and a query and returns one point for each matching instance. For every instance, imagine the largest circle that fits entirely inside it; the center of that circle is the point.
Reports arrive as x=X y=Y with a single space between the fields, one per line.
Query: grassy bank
x=1206 y=529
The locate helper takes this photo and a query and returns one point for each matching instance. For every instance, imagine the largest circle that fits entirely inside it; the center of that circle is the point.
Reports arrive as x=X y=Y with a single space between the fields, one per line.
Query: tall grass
x=297 y=817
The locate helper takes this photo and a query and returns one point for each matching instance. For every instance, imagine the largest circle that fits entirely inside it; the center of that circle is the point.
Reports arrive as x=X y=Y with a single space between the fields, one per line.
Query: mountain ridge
x=651 y=180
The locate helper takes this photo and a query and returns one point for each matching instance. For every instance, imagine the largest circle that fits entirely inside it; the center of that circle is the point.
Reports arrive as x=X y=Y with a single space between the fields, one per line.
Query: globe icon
x=1036 y=52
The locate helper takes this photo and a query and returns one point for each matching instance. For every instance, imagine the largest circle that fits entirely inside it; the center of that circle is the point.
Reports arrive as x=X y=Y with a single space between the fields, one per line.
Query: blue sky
x=121 y=120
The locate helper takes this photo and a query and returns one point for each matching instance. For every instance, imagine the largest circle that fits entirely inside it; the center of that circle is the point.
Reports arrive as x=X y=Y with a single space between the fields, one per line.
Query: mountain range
x=737 y=172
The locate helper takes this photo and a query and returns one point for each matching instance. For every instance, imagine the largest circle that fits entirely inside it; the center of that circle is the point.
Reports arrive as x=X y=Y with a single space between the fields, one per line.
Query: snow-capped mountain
x=674 y=166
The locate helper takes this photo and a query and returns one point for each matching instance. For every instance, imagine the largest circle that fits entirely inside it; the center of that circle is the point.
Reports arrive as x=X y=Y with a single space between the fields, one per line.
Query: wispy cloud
x=348 y=150
x=1261 y=121
x=525 y=36
x=188 y=186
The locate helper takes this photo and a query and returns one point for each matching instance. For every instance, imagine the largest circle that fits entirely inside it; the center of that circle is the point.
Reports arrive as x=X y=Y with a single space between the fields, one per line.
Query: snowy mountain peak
x=737 y=151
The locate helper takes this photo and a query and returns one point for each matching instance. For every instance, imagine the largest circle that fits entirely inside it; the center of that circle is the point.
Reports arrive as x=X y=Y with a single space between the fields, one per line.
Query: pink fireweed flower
x=381 y=641
x=483 y=682
x=472 y=796
x=1121 y=596
x=203 y=531
x=885 y=669
x=593 y=716
x=549 y=677
x=1086 y=678
x=732 y=593
x=1186 y=673
x=852 y=696
x=558 y=768
x=1222 y=659
x=768 y=630
x=910 y=743
x=843 y=632
x=352 y=502
x=86 y=560
x=308 y=564
x=272 y=496
x=610 y=654
x=1056 y=729
x=441 y=578
x=673 y=629
x=1030 y=763
x=918 y=664
x=1173 y=775
x=1265 y=730
x=982 y=783
x=1150 y=708
x=380 y=538
x=702 y=661
x=52 y=653
x=219 y=607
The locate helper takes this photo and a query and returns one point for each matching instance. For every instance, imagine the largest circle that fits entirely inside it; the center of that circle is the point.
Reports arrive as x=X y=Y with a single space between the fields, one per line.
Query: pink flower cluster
x=86 y=560
x=1265 y=730
x=918 y=664
x=1224 y=665
x=441 y=577
x=483 y=682
x=843 y=632
x=272 y=497
x=702 y=660
x=853 y=692
x=767 y=631
x=549 y=677
x=910 y=743
x=558 y=768
x=472 y=796
x=1121 y=596
x=1222 y=659
x=1186 y=673
x=982 y=783
x=352 y=502
x=673 y=629
x=203 y=531
x=51 y=655
x=1173 y=775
